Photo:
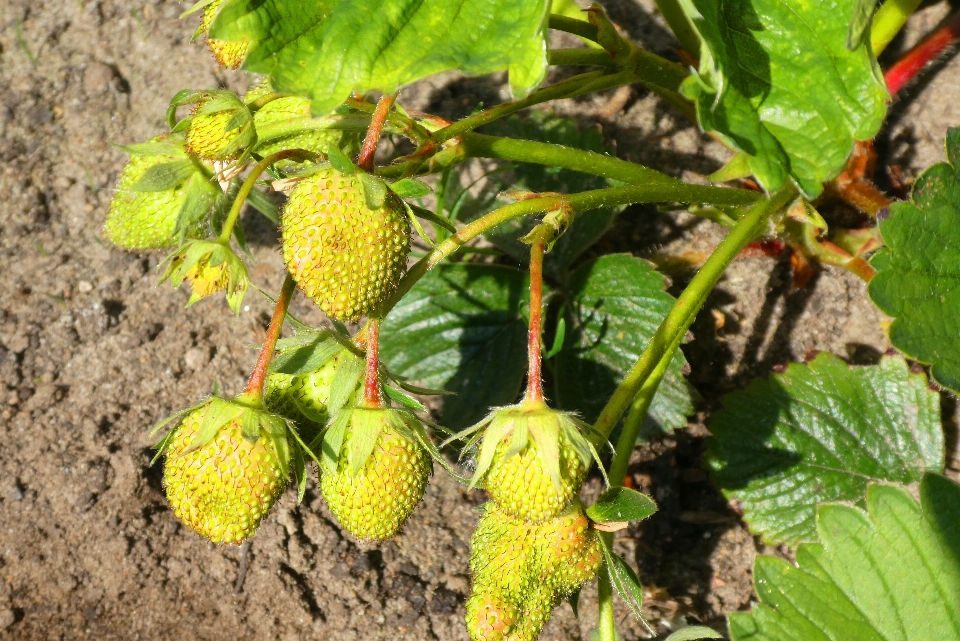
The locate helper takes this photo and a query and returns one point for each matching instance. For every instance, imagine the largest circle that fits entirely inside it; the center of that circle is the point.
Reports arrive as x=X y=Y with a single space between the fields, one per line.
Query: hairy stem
x=917 y=58
x=370 y=142
x=577 y=203
x=475 y=145
x=534 y=374
x=648 y=371
x=608 y=625
x=580 y=28
x=295 y=126
x=680 y=25
x=259 y=375
x=888 y=21
x=584 y=57
x=372 y=396
x=248 y=185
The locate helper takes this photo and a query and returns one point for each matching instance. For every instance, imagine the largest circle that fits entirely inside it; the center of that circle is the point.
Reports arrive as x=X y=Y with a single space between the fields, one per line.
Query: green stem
x=608 y=625
x=247 y=187
x=888 y=21
x=643 y=376
x=476 y=145
x=576 y=204
x=295 y=126
x=680 y=25
x=585 y=57
x=572 y=25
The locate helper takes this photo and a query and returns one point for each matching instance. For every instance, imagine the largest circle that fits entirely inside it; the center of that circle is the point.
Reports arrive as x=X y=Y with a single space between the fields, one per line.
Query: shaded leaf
x=819 y=433
x=614 y=306
x=460 y=328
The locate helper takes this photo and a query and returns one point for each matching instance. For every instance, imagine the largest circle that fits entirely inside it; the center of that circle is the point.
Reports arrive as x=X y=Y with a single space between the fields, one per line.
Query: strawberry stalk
x=259 y=376
x=534 y=372
x=907 y=68
x=372 y=139
x=248 y=185
x=372 y=396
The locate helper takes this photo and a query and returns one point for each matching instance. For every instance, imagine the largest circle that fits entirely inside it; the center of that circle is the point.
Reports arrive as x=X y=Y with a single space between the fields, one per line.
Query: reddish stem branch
x=370 y=142
x=905 y=69
x=534 y=373
x=372 y=396
x=259 y=375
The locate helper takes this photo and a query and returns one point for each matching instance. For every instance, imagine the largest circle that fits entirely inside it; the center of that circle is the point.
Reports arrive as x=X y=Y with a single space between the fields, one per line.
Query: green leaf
x=589 y=226
x=777 y=83
x=877 y=575
x=409 y=188
x=615 y=304
x=460 y=328
x=918 y=273
x=860 y=22
x=326 y=49
x=340 y=161
x=621 y=504
x=262 y=203
x=374 y=190
x=165 y=176
x=819 y=433
x=624 y=579
x=305 y=358
x=694 y=632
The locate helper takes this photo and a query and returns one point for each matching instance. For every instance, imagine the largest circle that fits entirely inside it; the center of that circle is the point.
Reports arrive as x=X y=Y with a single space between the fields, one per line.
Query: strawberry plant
x=552 y=371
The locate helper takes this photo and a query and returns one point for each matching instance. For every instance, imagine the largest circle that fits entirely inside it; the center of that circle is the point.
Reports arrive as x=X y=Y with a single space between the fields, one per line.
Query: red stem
x=534 y=373
x=372 y=396
x=905 y=69
x=369 y=149
x=259 y=375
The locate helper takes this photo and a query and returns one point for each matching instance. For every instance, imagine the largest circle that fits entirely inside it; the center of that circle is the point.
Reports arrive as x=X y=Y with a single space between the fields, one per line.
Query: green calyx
x=532 y=459
x=227 y=463
x=209 y=266
x=162 y=193
x=375 y=467
x=521 y=570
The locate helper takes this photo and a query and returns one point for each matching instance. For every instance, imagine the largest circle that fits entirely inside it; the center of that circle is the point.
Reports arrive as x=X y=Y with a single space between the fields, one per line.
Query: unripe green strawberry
x=145 y=219
x=228 y=54
x=489 y=617
x=219 y=481
x=503 y=555
x=532 y=459
x=380 y=472
x=220 y=126
x=569 y=551
x=521 y=570
x=285 y=109
x=345 y=256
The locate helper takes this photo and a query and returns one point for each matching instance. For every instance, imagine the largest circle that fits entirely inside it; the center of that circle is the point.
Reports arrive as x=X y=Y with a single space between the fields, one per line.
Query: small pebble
x=7 y=618
x=84 y=286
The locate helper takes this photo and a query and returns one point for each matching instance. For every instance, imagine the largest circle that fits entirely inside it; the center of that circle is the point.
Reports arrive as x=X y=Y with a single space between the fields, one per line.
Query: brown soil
x=92 y=354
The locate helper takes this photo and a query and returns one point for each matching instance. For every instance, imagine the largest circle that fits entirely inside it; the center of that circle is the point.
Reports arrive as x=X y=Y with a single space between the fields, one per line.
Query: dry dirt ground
x=92 y=354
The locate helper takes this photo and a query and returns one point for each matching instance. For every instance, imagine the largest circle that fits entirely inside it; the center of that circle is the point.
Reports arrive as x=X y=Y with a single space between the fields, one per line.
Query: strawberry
x=220 y=127
x=228 y=54
x=521 y=570
x=226 y=464
x=144 y=212
x=344 y=255
x=309 y=399
x=375 y=469
x=532 y=459
x=284 y=112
